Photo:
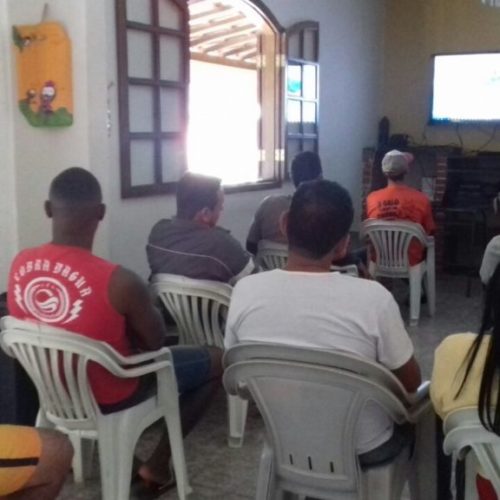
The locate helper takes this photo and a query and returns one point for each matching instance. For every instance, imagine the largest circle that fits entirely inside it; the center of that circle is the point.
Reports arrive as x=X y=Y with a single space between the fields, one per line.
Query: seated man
x=306 y=166
x=399 y=201
x=33 y=462
x=306 y=305
x=62 y=283
x=191 y=244
x=491 y=259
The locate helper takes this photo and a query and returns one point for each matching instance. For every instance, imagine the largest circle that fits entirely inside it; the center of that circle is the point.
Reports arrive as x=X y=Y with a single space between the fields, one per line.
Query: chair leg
x=237 y=415
x=78 y=460
x=415 y=294
x=266 y=484
x=107 y=440
x=430 y=281
x=170 y=400
x=423 y=471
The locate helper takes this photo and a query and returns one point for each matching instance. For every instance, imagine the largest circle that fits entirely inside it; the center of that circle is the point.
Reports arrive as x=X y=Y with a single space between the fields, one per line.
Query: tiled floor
x=218 y=472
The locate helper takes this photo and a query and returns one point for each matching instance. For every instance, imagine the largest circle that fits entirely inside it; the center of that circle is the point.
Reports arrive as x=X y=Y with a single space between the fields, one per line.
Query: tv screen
x=466 y=88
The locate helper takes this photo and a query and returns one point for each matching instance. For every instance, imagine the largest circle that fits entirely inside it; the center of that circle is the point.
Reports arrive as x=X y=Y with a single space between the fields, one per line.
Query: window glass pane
x=171 y=110
x=309 y=117
x=310 y=45
x=294 y=80
x=139 y=11
x=170 y=58
x=142 y=162
x=173 y=160
x=309 y=81
x=169 y=15
x=140 y=108
x=293 y=116
x=310 y=145
x=140 y=54
x=294 y=46
x=293 y=148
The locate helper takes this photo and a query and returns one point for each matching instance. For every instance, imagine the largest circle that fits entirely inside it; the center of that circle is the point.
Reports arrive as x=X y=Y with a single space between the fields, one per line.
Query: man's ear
x=102 y=211
x=48 y=209
x=341 y=247
x=284 y=223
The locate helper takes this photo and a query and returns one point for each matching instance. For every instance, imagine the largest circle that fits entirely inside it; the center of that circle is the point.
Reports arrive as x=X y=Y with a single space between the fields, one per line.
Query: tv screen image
x=466 y=88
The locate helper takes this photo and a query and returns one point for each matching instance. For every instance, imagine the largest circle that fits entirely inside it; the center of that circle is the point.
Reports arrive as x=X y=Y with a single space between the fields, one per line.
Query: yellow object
x=448 y=372
x=20 y=449
x=44 y=74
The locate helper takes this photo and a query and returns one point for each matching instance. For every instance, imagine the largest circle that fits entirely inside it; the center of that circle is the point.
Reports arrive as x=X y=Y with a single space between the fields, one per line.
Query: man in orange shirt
x=399 y=201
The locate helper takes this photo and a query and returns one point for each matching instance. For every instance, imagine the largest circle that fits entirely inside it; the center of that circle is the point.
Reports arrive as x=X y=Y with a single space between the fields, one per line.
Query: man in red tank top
x=63 y=284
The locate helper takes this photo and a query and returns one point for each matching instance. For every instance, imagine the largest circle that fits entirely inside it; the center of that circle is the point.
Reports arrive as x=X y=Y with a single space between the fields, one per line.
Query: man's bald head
x=75 y=188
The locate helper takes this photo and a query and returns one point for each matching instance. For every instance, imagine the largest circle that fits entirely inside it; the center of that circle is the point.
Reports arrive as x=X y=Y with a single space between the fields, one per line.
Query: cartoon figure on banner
x=44 y=74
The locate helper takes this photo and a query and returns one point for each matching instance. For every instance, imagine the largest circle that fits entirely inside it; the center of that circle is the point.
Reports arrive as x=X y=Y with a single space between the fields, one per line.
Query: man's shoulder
x=160 y=227
x=273 y=203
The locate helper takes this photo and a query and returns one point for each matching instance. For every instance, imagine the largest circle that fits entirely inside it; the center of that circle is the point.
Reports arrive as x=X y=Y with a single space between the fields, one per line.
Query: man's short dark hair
x=196 y=192
x=306 y=166
x=75 y=187
x=396 y=177
x=320 y=216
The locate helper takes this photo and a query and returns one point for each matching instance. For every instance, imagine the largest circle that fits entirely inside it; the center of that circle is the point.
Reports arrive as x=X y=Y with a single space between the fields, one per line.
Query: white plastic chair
x=199 y=308
x=466 y=438
x=56 y=360
x=310 y=401
x=349 y=269
x=271 y=255
x=390 y=240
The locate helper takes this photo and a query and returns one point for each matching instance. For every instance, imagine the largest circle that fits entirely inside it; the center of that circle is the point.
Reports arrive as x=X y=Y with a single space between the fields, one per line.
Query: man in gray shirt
x=191 y=244
x=306 y=166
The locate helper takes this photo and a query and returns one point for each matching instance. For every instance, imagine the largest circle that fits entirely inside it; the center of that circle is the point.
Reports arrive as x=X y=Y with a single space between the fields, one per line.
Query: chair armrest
x=141 y=364
x=419 y=401
x=136 y=359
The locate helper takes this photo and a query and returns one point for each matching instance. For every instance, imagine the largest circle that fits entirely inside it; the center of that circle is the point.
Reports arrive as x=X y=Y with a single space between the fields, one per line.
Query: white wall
x=350 y=58
x=414 y=32
x=8 y=211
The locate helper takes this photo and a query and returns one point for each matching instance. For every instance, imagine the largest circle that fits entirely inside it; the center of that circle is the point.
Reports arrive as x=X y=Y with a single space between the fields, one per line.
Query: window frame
x=126 y=136
x=303 y=137
x=157 y=136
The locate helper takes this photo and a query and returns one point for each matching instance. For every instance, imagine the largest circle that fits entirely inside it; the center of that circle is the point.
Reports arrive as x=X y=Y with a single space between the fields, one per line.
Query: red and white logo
x=48 y=300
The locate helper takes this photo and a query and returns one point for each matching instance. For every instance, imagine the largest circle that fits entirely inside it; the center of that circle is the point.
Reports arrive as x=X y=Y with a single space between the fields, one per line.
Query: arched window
x=238 y=135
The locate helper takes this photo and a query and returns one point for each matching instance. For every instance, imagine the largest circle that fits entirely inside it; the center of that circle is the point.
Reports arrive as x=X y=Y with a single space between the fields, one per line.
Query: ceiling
x=222 y=32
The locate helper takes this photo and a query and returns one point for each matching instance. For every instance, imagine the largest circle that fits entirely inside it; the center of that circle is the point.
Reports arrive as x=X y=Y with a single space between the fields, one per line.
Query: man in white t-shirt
x=306 y=305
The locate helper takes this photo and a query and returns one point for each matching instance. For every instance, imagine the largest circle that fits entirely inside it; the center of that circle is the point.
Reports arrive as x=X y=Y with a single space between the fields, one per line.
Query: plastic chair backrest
x=199 y=307
x=391 y=240
x=56 y=360
x=271 y=255
x=311 y=407
x=464 y=431
x=349 y=269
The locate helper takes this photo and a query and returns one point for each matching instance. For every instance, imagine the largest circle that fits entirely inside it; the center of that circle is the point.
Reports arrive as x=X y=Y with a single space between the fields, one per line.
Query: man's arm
x=130 y=296
x=409 y=375
x=394 y=348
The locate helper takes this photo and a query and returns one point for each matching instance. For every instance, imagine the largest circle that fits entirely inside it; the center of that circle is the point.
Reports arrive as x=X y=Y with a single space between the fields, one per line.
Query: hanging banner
x=44 y=74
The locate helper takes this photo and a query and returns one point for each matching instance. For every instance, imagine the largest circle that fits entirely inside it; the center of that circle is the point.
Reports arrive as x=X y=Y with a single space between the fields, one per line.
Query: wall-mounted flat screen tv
x=466 y=88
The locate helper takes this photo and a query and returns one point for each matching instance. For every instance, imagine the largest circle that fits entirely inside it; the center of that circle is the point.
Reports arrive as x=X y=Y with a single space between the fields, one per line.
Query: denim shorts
x=191 y=365
x=192 y=370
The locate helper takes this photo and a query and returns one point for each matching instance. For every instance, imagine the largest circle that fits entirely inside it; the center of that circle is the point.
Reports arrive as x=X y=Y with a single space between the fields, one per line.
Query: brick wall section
x=439 y=216
x=367 y=175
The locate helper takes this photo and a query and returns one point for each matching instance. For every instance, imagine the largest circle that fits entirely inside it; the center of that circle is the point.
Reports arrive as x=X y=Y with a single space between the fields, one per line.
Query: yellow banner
x=44 y=74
